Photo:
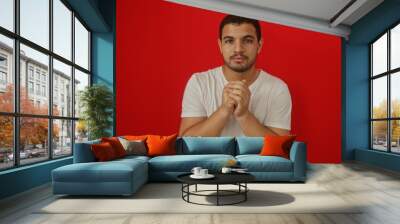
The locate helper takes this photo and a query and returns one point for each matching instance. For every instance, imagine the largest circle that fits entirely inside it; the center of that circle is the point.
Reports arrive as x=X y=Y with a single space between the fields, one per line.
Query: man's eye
x=248 y=41
x=228 y=41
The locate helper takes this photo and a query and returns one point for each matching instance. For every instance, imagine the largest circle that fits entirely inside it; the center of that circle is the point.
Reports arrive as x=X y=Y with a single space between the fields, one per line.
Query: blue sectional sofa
x=125 y=176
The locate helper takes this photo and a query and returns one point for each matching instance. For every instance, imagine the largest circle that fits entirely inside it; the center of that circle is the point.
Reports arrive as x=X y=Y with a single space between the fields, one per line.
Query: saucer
x=208 y=176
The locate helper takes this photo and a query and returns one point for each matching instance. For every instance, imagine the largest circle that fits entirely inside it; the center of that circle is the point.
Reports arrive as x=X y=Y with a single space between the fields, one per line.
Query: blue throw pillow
x=249 y=145
x=206 y=145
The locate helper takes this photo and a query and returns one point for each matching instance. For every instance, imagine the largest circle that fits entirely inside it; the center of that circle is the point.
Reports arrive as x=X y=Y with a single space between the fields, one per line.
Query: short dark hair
x=231 y=19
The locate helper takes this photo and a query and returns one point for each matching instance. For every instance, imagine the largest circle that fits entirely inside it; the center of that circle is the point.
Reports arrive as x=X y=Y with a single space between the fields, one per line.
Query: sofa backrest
x=190 y=146
x=249 y=145
x=205 y=145
x=83 y=152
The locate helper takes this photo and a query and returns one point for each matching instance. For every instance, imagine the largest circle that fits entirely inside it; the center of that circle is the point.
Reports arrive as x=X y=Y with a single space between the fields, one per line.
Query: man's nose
x=238 y=46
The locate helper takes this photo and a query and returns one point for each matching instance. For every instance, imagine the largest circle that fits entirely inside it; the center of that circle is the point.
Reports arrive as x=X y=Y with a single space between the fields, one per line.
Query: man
x=236 y=99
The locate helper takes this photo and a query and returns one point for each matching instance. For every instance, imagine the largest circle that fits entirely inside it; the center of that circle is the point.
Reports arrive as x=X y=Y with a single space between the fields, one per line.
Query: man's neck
x=231 y=75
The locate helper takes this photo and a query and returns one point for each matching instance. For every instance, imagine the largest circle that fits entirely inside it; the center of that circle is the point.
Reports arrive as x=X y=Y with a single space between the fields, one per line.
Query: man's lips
x=238 y=58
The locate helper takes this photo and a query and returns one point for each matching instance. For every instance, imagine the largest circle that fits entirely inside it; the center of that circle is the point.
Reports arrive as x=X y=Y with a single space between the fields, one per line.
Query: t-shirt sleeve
x=192 y=105
x=279 y=115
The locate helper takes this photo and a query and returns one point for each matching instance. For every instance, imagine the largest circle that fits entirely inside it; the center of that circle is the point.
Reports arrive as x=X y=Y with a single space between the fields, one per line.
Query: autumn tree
x=33 y=131
x=81 y=129
x=396 y=124
x=6 y=122
x=380 y=127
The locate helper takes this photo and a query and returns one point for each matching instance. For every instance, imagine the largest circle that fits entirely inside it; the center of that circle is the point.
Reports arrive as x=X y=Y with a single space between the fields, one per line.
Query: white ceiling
x=317 y=15
x=319 y=9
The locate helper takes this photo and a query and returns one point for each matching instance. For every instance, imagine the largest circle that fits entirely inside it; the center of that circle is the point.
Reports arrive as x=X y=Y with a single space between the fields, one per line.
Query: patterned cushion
x=134 y=147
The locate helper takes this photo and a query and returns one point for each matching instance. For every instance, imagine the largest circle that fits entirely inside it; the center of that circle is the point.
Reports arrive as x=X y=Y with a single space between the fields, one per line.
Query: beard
x=240 y=68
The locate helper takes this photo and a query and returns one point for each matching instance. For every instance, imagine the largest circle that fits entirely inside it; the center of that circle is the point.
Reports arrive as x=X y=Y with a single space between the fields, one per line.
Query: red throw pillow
x=103 y=152
x=116 y=145
x=161 y=145
x=277 y=145
x=135 y=137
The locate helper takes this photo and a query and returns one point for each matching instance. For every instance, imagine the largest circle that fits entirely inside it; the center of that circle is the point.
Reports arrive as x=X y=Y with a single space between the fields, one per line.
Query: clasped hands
x=236 y=98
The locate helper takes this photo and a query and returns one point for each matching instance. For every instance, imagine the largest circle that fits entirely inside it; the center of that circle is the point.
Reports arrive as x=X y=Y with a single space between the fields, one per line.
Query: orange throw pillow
x=116 y=145
x=135 y=137
x=277 y=145
x=161 y=145
x=103 y=151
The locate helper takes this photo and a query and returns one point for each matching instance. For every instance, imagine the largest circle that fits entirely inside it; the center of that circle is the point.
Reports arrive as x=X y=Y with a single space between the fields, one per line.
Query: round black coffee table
x=238 y=179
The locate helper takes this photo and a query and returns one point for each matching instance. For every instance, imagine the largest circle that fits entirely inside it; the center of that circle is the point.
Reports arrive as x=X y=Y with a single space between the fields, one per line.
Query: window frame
x=388 y=74
x=3 y=69
x=3 y=74
x=5 y=59
x=16 y=114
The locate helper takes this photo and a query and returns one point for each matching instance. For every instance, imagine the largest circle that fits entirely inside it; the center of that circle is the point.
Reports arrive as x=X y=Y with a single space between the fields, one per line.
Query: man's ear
x=219 y=45
x=260 y=43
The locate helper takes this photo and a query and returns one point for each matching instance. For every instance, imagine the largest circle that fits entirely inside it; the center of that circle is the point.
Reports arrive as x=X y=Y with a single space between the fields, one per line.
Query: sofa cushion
x=116 y=145
x=103 y=151
x=132 y=158
x=134 y=147
x=206 y=145
x=111 y=171
x=161 y=145
x=257 y=163
x=249 y=145
x=135 y=137
x=185 y=163
x=277 y=145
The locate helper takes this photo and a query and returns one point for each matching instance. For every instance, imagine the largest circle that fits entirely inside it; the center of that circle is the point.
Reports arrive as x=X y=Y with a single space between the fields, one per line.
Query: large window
x=385 y=91
x=44 y=65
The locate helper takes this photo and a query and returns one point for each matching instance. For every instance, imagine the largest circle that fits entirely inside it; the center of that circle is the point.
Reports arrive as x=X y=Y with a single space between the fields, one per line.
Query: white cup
x=196 y=170
x=226 y=170
x=203 y=172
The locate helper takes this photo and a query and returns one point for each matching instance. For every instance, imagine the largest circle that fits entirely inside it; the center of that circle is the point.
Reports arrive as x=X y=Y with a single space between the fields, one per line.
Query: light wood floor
x=353 y=182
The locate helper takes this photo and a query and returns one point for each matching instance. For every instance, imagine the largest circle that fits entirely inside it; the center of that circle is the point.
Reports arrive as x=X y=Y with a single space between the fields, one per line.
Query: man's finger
x=236 y=97
x=236 y=91
x=241 y=82
x=227 y=89
x=238 y=86
x=239 y=89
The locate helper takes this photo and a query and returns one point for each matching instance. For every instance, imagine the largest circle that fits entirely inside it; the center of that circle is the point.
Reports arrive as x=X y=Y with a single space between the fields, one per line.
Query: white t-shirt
x=270 y=100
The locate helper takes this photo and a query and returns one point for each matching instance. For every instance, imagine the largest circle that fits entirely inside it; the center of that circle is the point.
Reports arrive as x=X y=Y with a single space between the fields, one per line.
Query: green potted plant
x=96 y=102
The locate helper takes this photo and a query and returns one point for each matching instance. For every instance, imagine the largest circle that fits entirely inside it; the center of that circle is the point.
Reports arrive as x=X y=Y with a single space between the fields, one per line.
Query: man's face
x=239 y=46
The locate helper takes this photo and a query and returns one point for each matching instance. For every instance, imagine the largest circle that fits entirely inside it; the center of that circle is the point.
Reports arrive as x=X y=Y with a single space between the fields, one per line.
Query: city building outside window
x=30 y=72
x=3 y=60
x=43 y=90
x=43 y=77
x=3 y=78
x=3 y=72
x=38 y=89
x=30 y=87
x=37 y=75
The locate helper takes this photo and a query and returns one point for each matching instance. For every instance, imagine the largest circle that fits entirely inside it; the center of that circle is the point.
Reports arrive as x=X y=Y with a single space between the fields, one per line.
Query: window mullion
x=50 y=79
x=389 y=106
x=16 y=70
x=371 y=98
x=73 y=82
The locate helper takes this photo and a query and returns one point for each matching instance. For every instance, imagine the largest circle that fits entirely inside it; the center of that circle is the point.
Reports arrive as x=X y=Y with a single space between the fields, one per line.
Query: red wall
x=160 y=44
